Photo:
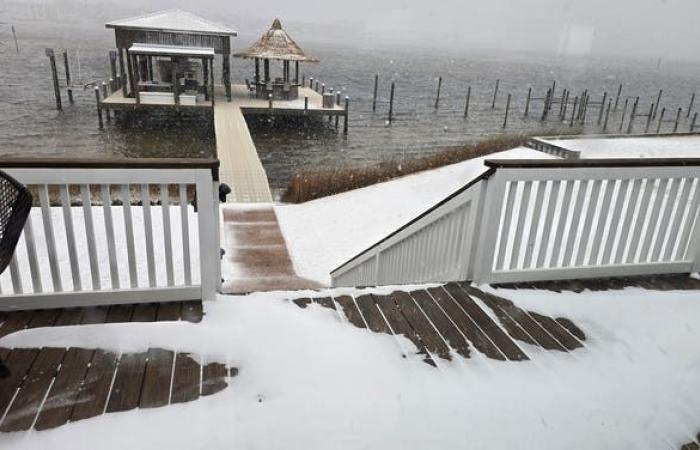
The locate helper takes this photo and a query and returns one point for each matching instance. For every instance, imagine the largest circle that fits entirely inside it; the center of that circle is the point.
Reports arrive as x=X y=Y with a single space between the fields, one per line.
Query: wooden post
x=692 y=124
x=205 y=75
x=690 y=106
x=602 y=107
x=651 y=111
x=66 y=65
x=658 y=102
x=269 y=101
x=505 y=118
x=632 y=115
x=561 y=104
x=306 y=104
x=149 y=67
x=347 y=109
x=437 y=97
x=14 y=36
x=624 y=112
x=545 y=107
x=54 y=74
x=466 y=105
x=118 y=82
x=113 y=64
x=573 y=111
x=607 y=115
x=391 y=102
x=678 y=118
x=226 y=73
x=99 y=108
x=323 y=88
x=311 y=82
x=527 y=101
x=566 y=106
x=173 y=77
x=122 y=72
x=130 y=69
x=337 y=102
x=266 y=70
x=257 y=71
x=617 y=99
x=374 y=95
x=211 y=86
x=296 y=72
x=661 y=119
x=495 y=94
x=104 y=96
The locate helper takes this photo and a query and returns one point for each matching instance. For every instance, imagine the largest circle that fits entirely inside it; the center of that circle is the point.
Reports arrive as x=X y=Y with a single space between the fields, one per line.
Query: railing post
x=209 y=247
x=488 y=228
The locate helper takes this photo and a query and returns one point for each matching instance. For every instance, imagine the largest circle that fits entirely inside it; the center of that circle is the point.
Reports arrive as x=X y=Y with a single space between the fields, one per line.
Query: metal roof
x=171 y=50
x=276 y=44
x=173 y=20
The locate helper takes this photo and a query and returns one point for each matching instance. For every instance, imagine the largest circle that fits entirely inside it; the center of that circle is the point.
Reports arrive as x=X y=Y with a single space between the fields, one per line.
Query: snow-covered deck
x=656 y=146
x=348 y=370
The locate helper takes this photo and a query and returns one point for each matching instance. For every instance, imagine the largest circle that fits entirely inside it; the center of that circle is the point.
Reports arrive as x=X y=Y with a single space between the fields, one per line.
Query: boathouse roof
x=171 y=50
x=276 y=44
x=173 y=20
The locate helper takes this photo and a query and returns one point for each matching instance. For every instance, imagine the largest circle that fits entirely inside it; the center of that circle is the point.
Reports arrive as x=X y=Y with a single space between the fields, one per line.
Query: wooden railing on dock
x=536 y=220
x=115 y=231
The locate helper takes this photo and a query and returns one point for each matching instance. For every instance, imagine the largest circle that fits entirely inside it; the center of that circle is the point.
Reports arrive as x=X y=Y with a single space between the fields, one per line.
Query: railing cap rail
x=601 y=162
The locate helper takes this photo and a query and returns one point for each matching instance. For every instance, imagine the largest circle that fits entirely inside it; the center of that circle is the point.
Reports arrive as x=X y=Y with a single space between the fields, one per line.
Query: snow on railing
x=547 y=220
x=109 y=232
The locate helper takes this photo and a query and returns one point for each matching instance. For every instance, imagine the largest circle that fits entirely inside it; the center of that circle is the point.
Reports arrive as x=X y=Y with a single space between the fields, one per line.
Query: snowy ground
x=324 y=233
x=310 y=381
x=644 y=147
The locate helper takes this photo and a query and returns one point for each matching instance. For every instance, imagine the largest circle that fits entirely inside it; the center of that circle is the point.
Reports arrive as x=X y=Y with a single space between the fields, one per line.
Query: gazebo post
x=205 y=76
x=227 y=76
x=176 y=87
x=266 y=63
x=122 y=72
x=257 y=71
x=296 y=72
x=150 y=67
x=130 y=68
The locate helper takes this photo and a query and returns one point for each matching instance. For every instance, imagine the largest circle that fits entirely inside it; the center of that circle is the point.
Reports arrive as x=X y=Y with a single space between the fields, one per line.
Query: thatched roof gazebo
x=276 y=44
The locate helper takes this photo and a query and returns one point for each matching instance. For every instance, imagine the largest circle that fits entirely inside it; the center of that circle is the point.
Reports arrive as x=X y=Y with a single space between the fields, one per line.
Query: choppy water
x=29 y=124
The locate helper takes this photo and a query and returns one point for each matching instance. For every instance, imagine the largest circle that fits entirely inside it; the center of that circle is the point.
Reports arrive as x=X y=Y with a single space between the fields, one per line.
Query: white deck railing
x=108 y=232
x=547 y=220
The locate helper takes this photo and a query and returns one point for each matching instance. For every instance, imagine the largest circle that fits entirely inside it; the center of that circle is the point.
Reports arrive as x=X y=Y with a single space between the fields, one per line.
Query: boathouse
x=167 y=57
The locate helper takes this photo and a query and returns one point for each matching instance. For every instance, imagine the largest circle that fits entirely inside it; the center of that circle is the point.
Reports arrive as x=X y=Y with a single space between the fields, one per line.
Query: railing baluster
x=615 y=222
x=626 y=235
x=90 y=234
x=520 y=227
x=31 y=253
x=653 y=221
x=603 y=222
x=505 y=230
x=535 y=224
x=643 y=214
x=70 y=237
x=109 y=230
x=167 y=233
x=588 y=225
x=129 y=228
x=148 y=229
x=561 y=224
x=690 y=224
x=673 y=235
x=575 y=224
x=50 y=238
x=184 y=221
x=665 y=219
x=548 y=222
x=17 y=287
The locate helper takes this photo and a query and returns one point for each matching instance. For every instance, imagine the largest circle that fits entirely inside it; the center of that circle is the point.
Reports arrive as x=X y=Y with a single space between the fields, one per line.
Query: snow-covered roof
x=653 y=146
x=175 y=50
x=173 y=20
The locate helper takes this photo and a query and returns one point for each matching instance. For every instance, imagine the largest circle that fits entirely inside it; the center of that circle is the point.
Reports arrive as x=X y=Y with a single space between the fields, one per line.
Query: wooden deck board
x=192 y=312
x=400 y=325
x=169 y=312
x=371 y=313
x=428 y=335
x=213 y=378
x=44 y=318
x=94 y=315
x=557 y=331
x=94 y=392
x=495 y=333
x=326 y=302
x=442 y=322
x=119 y=313
x=126 y=390
x=145 y=312
x=15 y=321
x=186 y=379
x=19 y=362
x=64 y=393
x=26 y=404
x=155 y=391
x=69 y=316
x=351 y=312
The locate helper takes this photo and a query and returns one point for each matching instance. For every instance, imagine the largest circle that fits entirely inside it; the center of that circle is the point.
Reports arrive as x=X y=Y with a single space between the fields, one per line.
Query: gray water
x=30 y=125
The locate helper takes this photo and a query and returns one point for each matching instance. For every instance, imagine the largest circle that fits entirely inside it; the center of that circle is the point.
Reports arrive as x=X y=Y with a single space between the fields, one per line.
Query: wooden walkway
x=456 y=319
x=49 y=387
x=257 y=252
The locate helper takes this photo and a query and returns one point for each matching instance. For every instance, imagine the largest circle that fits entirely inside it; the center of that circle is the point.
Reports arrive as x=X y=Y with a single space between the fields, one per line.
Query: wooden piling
x=527 y=101
x=269 y=101
x=306 y=104
x=99 y=108
x=692 y=124
x=104 y=95
x=649 y=117
x=337 y=102
x=602 y=107
x=624 y=112
x=661 y=120
x=323 y=88
x=573 y=111
x=561 y=104
x=690 y=106
x=607 y=115
x=505 y=118
x=66 y=65
x=658 y=102
x=437 y=97
x=347 y=109
x=113 y=64
x=303 y=79
x=374 y=95
x=311 y=82
x=617 y=98
x=14 y=36
x=545 y=107
x=495 y=94
x=391 y=102
x=466 y=104
x=54 y=74
x=678 y=118
x=632 y=115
